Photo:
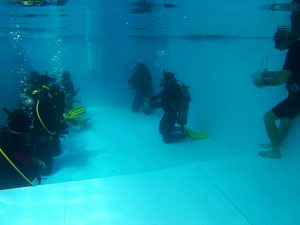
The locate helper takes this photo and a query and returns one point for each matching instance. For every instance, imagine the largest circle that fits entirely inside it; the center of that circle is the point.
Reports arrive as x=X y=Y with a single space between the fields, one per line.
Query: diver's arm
x=155 y=101
x=272 y=78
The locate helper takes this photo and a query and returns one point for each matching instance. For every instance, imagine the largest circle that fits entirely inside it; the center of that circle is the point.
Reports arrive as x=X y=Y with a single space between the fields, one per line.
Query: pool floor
x=117 y=171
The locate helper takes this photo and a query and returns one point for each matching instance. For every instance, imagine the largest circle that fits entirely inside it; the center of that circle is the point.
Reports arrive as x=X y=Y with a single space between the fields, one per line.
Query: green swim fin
x=196 y=135
x=33 y=3
x=74 y=113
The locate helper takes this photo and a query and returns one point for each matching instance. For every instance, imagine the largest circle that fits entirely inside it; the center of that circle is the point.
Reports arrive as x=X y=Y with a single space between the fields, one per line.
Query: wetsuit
x=170 y=99
x=16 y=144
x=141 y=82
x=48 y=126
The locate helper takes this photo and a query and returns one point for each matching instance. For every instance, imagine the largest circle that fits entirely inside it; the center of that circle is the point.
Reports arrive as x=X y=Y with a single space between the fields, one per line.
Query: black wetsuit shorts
x=288 y=108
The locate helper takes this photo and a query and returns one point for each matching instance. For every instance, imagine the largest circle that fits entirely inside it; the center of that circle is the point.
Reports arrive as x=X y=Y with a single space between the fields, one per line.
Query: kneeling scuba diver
x=175 y=102
x=18 y=166
x=174 y=99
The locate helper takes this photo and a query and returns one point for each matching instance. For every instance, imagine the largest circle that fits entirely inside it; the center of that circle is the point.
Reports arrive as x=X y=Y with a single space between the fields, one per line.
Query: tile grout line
x=226 y=197
x=65 y=208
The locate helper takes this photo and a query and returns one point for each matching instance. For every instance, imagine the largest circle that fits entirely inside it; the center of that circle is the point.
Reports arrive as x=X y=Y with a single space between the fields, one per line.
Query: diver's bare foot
x=266 y=146
x=270 y=154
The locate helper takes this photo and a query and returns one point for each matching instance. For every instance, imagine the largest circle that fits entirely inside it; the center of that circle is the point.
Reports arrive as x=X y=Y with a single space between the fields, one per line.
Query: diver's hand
x=147 y=104
x=259 y=82
x=266 y=74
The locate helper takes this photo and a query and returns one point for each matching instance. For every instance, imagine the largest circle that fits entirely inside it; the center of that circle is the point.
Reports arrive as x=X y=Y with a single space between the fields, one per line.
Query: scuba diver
x=145 y=6
x=68 y=88
x=141 y=83
x=72 y=114
x=49 y=124
x=32 y=136
x=42 y=2
x=41 y=96
x=18 y=166
x=174 y=99
x=32 y=139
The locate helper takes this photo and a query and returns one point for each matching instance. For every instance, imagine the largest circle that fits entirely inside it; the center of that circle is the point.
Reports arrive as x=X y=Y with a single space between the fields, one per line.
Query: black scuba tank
x=184 y=105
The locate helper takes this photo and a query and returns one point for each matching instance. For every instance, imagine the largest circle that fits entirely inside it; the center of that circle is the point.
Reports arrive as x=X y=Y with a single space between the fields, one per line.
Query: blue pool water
x=116 y=169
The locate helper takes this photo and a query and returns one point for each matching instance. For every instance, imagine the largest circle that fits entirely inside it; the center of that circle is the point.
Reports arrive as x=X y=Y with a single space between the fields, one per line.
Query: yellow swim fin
x=33 y=3
x=77 y=111
x=74 y=113
x=196 y=135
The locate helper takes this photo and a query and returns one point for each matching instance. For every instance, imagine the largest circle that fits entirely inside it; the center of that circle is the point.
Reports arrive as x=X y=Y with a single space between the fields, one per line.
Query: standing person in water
x=289 y=108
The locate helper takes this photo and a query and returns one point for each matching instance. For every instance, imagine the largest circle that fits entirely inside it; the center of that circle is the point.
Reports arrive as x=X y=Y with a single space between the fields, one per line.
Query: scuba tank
x=182 y=114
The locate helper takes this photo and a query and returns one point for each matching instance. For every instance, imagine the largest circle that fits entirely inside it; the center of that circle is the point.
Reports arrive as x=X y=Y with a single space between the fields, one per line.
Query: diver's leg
x=170 y=133
x=165 y=128
x=137 y=102
x=284 y=128
x=273 y=133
